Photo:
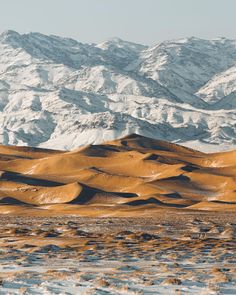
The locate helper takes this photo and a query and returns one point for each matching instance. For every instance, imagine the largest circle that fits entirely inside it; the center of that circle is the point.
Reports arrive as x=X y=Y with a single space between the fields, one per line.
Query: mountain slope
x=59 y=93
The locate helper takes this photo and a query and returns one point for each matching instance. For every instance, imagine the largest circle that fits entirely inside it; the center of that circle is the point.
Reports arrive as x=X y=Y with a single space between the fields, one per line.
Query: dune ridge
x=134 y=175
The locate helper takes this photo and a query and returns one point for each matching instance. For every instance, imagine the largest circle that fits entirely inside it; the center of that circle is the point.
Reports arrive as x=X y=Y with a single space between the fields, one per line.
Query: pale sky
x=141 y=21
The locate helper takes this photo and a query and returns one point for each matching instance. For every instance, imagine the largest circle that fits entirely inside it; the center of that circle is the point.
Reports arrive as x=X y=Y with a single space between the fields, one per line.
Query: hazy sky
x=143 y=21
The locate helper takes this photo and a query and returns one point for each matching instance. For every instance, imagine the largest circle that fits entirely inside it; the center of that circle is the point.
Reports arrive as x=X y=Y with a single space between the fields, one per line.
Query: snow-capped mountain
x=59 y=93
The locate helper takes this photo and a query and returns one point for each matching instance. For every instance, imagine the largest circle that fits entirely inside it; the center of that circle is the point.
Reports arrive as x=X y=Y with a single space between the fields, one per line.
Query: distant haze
x=141 y=21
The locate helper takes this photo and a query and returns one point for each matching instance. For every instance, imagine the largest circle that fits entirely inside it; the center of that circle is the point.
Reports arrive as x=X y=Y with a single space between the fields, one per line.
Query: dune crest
x=132 y=175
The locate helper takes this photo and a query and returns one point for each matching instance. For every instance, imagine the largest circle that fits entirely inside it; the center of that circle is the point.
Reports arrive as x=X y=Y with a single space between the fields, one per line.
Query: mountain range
x=59 y=93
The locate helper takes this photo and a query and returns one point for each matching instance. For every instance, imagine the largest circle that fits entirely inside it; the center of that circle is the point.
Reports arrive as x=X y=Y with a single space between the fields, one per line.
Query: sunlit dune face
x=127 y=177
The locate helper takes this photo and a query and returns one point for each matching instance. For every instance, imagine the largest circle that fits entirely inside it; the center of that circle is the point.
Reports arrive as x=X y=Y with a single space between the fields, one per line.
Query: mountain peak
x=10 y=35
x=119 y=43
x=115 y=40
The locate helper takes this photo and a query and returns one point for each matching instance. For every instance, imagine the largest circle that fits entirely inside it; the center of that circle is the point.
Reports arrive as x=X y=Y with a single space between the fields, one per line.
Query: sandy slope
x=130 y=176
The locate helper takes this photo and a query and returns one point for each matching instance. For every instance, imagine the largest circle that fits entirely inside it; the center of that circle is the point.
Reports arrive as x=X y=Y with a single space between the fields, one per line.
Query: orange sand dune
x=132 y=175
x=26 y=152
x=38 y=195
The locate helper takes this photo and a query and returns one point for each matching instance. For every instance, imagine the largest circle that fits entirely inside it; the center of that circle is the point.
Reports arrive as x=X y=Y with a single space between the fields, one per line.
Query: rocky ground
x=187 y=253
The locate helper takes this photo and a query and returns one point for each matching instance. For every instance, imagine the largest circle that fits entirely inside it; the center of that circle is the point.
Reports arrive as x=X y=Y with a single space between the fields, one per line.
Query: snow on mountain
x=120 y=53
x=57 y=92
x=185 y=65
x=219 y=86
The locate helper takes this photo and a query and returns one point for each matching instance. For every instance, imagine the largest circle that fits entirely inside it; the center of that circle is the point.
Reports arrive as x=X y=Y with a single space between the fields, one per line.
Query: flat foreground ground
x=173 y=253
